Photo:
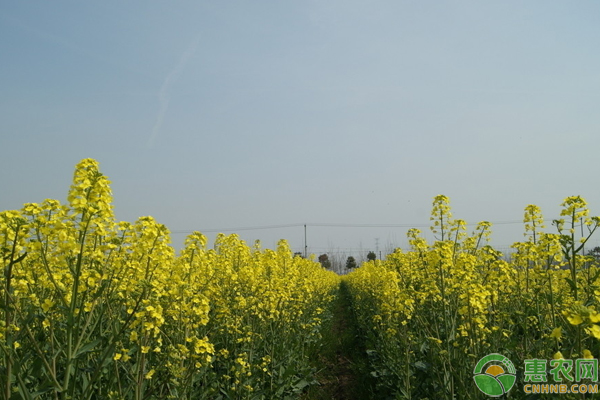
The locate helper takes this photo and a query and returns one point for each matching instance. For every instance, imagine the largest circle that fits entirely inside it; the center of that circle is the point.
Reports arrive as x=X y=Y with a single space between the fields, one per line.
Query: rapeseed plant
x=432 y=312
x=95 y=308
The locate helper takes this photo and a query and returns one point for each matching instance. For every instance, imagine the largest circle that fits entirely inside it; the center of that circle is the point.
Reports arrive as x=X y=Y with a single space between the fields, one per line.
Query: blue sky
x=213 y=115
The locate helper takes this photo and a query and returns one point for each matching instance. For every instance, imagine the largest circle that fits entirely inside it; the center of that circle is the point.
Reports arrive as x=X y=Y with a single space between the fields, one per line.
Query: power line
x=334 y=225
x=245 y=228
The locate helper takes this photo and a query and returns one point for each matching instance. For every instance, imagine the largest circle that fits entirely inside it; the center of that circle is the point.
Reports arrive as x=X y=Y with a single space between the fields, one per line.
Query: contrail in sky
x=164 y=93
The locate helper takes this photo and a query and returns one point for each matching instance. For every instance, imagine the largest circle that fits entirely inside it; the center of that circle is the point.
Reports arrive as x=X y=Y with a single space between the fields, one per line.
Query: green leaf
x=41 y=391
x=421 y=365
x=88 y=347
x=571 y=284
x=301 y=385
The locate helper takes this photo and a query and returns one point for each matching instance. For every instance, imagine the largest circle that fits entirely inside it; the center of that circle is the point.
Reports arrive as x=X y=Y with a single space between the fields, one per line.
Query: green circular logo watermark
x=495 y=375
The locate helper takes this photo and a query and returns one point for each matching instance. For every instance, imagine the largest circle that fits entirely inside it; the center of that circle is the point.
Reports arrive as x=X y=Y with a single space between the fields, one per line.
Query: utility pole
x=305 y=245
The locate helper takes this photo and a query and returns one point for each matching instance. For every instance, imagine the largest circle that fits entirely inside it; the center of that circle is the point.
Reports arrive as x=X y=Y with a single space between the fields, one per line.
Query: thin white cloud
x=164 y=95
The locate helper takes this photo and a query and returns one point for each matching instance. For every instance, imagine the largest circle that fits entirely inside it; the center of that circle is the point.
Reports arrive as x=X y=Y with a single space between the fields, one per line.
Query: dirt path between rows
x=344 y=372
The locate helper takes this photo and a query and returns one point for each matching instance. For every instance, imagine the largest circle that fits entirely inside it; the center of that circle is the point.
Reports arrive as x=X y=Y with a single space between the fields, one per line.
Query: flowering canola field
x=92 y=308
x=430 y=313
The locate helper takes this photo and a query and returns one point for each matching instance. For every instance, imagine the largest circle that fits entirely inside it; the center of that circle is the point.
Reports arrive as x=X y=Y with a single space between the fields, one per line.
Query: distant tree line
x=351 y=262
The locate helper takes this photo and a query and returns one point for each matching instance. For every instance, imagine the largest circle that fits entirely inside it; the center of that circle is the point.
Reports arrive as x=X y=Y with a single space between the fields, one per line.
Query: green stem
x=8 y=316
x=71 y=326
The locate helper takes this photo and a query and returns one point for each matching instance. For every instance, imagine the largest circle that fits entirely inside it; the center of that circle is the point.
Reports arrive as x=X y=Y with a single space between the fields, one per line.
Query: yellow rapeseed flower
x=594 y=330
x=574 y=319
x=556 y=333
x=594 y=316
